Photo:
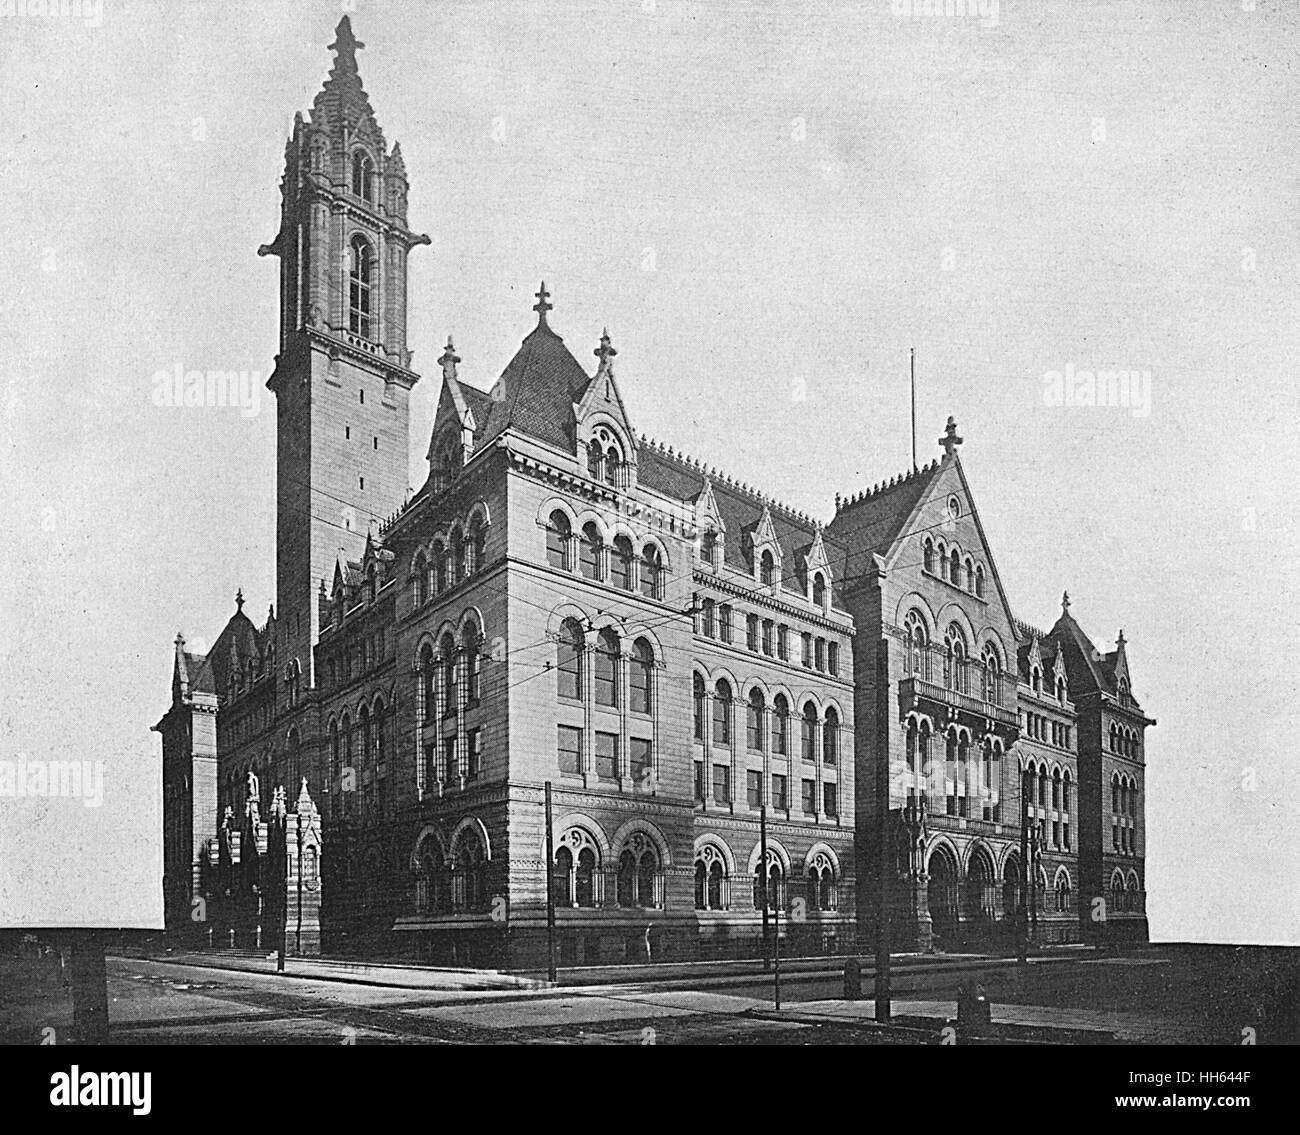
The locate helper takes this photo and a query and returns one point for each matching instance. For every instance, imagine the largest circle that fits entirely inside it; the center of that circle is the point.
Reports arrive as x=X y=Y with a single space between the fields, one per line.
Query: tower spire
x=449 y=360
x=346 y=45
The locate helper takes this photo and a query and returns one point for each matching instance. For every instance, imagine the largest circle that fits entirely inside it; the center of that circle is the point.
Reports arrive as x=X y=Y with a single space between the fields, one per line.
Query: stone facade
x=700 y=674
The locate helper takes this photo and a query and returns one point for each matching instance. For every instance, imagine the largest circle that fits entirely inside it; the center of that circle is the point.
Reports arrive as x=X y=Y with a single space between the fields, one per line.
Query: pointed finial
x=449 y=360
x=239 y=599
x=542 y=306
x=1065 y=603
x=345 y=43
x=606 y=350
x=1121 y=636
x=950 y=441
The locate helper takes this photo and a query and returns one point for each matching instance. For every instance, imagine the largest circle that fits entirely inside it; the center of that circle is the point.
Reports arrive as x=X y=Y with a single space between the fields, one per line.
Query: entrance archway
x=981 y=892
x=943 y=897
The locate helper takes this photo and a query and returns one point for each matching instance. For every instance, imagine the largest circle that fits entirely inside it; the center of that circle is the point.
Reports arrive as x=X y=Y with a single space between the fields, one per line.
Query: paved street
x=1071 y=998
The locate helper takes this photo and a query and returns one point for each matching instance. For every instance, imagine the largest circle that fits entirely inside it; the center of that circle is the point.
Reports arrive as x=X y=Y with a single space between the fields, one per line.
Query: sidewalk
x=359 y=973
x=1105 y=1025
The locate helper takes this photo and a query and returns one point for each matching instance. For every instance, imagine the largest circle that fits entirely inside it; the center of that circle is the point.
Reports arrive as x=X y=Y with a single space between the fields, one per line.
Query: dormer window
x=605 y=458
x=360 y=277
x=709 y=548
x=448 y=461
x=363 y=176
x=766 y=569
x=819 y=590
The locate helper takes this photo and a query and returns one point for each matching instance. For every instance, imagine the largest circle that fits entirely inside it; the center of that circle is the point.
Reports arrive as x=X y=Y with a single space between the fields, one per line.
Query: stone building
x=566 y=601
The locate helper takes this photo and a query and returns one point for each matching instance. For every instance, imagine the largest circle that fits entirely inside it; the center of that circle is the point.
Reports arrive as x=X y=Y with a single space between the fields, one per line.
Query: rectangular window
x=753 y=727
x=430 y=764
x=640 y=757
x=820 y=658
x=830 y=796
x=767 y=637
x=1056 y=833
x=721 y=784
x=807 y=649
x=833 y=657
x=783 y=643
x=754 y=789
x=699 y=781
x=707 y=618
x=780 y=725
x=606 y=755
x=779 y=798
x=449 y=758
x=721 y=721
x=724 y=620
x=475 y=764
x=809 y=795
x=751 y=632
x=699 y=716
x=569 y=746
x=1065 y=833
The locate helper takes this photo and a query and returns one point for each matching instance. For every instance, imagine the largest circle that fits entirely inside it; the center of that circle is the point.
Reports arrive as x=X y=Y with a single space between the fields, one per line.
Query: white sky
x=797 y=178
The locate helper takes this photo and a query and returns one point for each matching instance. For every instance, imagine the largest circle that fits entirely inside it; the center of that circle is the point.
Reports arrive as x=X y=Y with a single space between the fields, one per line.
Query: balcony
x=915 y=692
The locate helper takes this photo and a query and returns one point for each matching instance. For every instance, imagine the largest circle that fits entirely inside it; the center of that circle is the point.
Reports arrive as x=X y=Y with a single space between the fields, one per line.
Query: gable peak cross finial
x=542 y=306
x=1065 y=603
x=950 y=441
x=345 y=43
x=449 y=360
x=239 y=599
x=606 y=350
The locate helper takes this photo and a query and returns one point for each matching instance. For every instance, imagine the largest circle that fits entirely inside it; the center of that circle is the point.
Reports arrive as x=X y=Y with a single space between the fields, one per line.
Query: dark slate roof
x=1087 y=667
x=870 y=522
x=740 y=507
x=201 y=677
x=537 y=392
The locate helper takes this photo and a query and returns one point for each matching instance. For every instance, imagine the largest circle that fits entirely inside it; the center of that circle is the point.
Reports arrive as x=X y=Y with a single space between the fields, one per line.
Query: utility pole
x=550 y=886
x=912 y=356
x=1022 y=921
x=762 y=869
x=776 y=950
x=883 y=867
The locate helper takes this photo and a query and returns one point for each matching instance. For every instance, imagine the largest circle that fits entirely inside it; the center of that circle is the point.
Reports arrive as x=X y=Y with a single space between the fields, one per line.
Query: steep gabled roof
x=869 y=523
x=342 y=101
x=536 y=392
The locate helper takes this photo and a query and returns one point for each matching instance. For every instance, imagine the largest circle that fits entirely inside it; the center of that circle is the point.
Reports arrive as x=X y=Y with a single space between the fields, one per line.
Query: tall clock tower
x=343 y=377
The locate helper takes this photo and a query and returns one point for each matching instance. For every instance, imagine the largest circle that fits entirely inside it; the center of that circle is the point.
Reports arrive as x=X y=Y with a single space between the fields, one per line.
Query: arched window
x=562 y=878
x=775 y=885
x=706 y=618
x=381 y=731
x=819 y=590
x=363 y=727
x=428 y=686
x=1063 y=903
x=754 y=720
x=641 y=675
x=456 y=555
x=577 y=874
x=712 y=886
x=447 y=649
x=709 y=548
x=363 y=175
x=589 y=553
x=821 y=883
x=914 y=645
x=476 y=545
x=927 y=554
x=607 y=668
x=651 y=573
x=809 y=738
x=979 y=581
x=780 y=725
x=595 y=459
x=954 y=568
x=419 y=580
x=955 y=660
x=697 y=686
x=722 y=713
x=438 y=566
x=766 y=568
x=568 y=660
x=991 y=676
x=558 y=533
x=621 y=562
x=335 y=753
x=360 y=280
x=638 y=874
x=831 y=737
x=471 y=643
x=970 y=576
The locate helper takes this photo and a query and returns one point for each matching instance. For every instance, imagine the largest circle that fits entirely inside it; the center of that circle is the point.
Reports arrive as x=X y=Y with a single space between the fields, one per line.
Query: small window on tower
x=363 y=397
x=376 y=443
x=347 y=433
x=363 y=483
